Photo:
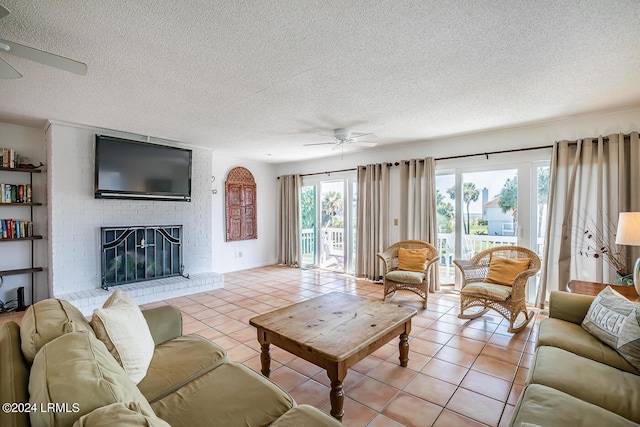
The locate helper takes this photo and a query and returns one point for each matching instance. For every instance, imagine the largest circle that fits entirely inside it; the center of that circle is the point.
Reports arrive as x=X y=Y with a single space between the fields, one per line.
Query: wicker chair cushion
x=487 y=290
x=412 y=259
x=411 y=277
x=503 y=271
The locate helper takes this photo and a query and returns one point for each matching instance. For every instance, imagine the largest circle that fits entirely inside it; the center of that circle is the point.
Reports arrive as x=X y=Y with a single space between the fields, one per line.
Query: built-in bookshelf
x=18 y=229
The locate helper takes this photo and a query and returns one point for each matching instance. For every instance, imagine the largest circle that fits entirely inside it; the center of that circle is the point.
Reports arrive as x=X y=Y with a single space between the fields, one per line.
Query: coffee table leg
x=404 y=344
x=336 y=395
x=265 y=359
x=265 y=356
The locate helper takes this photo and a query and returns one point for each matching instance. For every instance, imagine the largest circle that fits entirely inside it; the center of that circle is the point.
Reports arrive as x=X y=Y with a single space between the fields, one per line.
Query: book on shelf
x=15 y=229
x=12 y=193
x=9 y=158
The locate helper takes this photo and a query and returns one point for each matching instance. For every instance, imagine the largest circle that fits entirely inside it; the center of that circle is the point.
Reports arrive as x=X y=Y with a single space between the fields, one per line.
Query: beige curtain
x=372 y=221
x=418 y=205
x=289 y=221
x=591 y=182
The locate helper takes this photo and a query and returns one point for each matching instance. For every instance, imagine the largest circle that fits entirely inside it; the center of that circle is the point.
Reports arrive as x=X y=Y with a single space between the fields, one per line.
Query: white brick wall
x=75 y=216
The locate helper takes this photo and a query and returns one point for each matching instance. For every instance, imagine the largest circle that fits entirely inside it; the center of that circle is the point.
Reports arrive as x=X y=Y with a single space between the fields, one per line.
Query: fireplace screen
x=134 y=254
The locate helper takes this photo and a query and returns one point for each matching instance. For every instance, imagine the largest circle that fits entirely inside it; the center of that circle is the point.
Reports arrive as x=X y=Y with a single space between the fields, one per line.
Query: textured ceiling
x=258 y=79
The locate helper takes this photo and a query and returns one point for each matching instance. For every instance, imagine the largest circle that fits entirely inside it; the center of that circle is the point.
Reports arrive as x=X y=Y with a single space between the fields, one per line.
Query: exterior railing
x=332 y=247
x=472 y=244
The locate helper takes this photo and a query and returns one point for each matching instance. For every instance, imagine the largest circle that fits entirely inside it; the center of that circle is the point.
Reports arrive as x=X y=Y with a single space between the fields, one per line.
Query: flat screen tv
x=128 y=169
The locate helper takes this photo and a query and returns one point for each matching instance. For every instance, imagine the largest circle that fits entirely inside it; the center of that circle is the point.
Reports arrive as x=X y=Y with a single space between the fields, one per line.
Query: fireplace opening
x=135 y=254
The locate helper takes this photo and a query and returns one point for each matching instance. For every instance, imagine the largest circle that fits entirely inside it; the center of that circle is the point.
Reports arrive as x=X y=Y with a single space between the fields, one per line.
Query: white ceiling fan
x=46 y=58
x=344 y=137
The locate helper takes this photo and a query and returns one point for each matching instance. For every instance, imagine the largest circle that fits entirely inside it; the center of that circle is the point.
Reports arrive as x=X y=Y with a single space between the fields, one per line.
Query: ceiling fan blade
x=3 y=11
x=360 y=135
x=337 y=146
x=364 y=143
x=319 y=143
x=45 y=58
x=7 y=71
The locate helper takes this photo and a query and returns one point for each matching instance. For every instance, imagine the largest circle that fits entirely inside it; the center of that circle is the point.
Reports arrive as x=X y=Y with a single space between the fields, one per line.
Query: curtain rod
x=462 y=156
x=487 y=154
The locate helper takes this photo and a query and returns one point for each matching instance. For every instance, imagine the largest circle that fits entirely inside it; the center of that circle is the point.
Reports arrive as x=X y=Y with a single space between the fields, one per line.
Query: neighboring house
x=498 y=223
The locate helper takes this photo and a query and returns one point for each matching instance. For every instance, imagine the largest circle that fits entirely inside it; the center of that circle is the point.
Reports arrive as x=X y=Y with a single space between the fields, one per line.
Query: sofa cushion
x=615 y=320
x=228 y=395
x=570 y=307
x=544 y=406
x=45 y=321
x=14 y=375
x=77 y=369
x=196 y=356
x=487 y=290
x=503 y=271
x=412 y=259
x=120 y=325
x=165 y=323
x=305 y=415
x=120 y=414
x=572 y=337
x=400 y=276
x=593 y=382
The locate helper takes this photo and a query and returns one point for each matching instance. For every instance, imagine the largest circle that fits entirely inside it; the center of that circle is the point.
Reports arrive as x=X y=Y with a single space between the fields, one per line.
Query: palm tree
x=331 y=205
x=469 y=194
x=444 y=213
x=543 y=195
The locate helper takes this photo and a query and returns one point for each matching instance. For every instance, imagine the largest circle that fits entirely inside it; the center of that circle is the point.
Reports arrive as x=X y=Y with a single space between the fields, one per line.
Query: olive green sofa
x=575 y=379
x=55 y=372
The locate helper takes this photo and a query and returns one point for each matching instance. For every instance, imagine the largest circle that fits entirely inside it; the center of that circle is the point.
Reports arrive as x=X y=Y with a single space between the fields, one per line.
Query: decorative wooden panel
x=241 y=205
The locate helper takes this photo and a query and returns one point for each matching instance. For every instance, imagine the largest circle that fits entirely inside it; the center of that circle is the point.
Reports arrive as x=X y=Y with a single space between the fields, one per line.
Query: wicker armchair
x=390 y=259
x=509 y=301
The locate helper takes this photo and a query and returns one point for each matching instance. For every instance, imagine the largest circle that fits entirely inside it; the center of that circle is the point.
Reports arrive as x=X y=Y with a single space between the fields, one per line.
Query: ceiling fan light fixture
x=342 y=134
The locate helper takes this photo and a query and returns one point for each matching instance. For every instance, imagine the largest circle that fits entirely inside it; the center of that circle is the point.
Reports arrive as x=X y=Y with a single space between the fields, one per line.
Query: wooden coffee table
x=334 y=331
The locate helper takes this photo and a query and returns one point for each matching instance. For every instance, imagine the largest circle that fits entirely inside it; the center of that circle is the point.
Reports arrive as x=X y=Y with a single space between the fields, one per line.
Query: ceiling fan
x=46 y=58
x=344 y=137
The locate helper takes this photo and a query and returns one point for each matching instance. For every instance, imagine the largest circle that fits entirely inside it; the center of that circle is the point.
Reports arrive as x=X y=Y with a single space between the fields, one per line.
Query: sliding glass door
x=328 y=224
x=480 y=208
x=309 y=234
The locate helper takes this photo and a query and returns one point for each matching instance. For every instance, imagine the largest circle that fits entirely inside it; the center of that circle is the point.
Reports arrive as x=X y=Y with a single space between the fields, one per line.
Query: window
x=480 y=207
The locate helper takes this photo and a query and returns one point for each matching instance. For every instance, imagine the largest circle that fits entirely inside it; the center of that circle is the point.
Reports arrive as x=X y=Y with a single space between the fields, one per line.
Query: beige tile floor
x=460 y=372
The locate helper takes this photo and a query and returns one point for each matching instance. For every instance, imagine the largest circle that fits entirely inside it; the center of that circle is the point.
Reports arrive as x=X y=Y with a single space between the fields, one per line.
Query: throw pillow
x=45 y=321
x=120 y=325
x=503 y=271
x=615 y=321
x=76 y=372
x=412 y=259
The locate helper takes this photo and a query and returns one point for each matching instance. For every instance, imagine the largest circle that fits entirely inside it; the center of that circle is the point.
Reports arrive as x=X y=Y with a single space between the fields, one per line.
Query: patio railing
x=331 y=250
x=471 y=245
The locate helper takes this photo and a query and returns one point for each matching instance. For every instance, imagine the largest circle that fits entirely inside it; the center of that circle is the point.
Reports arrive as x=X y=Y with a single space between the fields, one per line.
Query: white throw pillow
x=615 y=321
x=120 y=325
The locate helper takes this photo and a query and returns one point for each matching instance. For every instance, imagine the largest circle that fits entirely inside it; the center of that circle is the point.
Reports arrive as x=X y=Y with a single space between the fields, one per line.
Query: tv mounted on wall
x=128 y=169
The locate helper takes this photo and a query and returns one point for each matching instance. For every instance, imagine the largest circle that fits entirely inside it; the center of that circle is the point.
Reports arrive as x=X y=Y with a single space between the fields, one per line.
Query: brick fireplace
x=140 y=253
x=77 y=219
